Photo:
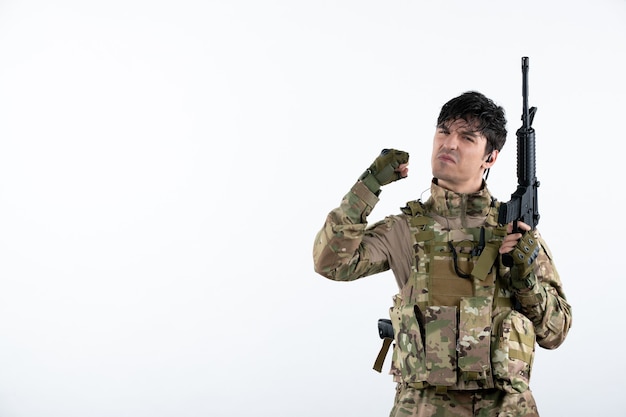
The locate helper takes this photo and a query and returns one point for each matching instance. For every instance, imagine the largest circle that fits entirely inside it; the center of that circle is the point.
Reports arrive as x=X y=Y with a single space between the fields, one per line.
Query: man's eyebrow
x=463 y=130
x=467 y=132
x=473 y=133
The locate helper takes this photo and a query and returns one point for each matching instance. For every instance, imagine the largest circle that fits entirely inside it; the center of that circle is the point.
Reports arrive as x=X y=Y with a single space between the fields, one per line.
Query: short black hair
x=475 y=108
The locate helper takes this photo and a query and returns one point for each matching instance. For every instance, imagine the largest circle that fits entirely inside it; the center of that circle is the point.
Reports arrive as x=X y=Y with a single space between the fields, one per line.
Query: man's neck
x=465 y=188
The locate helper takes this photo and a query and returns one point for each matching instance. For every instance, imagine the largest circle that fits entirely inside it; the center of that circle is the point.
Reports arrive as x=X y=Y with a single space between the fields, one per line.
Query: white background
x=165 y=166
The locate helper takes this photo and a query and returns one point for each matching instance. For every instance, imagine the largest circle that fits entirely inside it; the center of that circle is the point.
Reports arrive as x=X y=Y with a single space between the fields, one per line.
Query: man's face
x=458 y=159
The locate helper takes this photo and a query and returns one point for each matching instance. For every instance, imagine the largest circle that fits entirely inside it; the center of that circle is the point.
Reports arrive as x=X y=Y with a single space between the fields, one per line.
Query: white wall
x=164 y=167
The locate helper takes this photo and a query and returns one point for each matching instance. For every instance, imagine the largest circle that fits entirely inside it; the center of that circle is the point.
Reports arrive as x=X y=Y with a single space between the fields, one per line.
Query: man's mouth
x=445 y=157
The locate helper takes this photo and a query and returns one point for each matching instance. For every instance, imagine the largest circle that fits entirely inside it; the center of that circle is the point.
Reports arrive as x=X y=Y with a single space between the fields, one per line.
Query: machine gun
x=523 y=203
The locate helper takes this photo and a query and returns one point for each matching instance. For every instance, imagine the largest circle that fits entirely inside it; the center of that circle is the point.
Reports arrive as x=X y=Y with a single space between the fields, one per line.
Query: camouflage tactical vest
x=452 y=317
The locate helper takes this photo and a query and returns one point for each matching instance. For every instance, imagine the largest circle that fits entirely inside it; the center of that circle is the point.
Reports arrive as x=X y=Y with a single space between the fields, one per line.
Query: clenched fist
x=391 y=165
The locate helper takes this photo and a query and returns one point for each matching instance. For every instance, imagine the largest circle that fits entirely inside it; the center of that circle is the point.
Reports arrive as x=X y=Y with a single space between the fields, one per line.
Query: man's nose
x=451 y=141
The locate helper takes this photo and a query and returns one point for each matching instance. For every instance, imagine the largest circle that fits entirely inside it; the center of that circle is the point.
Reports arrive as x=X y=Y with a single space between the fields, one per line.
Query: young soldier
x=465 y=325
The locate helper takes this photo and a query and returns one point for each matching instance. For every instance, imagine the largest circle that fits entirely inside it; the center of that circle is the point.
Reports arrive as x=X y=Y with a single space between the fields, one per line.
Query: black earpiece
x=489 y=159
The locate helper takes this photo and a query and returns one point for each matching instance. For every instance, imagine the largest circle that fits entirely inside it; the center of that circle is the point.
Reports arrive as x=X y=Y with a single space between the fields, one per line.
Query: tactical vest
x=453 y=320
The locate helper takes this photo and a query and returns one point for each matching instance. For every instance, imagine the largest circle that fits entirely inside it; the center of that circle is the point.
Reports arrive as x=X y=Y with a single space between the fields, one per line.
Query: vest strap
x=486 y=260
x=439 y=389
x=380 y=359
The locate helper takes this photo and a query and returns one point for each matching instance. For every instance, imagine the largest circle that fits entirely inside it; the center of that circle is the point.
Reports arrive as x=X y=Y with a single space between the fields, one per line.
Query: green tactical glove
x=521 y=260
x=382 y=171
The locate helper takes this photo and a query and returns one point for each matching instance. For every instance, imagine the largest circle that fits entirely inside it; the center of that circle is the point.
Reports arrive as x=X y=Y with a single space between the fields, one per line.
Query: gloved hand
x=521 y=259
x=383 y=169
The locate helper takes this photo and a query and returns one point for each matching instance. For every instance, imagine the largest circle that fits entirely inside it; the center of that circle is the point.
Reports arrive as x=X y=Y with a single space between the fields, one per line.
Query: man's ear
x=491 y=159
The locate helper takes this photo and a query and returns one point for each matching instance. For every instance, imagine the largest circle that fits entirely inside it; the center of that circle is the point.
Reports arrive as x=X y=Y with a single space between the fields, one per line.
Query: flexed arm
x=338 y=252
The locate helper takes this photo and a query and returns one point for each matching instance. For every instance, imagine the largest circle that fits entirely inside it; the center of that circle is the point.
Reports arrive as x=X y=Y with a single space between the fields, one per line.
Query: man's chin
x=441 y=174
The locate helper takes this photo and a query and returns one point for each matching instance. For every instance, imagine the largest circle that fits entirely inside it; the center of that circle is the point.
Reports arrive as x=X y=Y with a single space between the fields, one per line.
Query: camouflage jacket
x=346 y=249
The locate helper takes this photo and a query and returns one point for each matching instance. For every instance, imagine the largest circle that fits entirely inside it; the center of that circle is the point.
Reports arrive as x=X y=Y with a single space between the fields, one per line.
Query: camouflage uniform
x=464 y=338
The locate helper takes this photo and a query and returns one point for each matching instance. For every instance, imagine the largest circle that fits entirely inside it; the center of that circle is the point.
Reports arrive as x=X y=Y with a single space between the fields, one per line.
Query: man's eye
x=469 y=138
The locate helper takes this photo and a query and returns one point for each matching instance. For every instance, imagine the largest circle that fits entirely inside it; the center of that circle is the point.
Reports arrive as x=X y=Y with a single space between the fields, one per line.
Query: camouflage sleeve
x=339 y=252
x=545 y=304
